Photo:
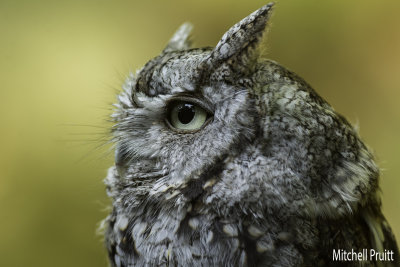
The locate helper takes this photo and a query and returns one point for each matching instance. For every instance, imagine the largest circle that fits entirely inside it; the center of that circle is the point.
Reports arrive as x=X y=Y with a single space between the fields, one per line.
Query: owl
x=225 y=158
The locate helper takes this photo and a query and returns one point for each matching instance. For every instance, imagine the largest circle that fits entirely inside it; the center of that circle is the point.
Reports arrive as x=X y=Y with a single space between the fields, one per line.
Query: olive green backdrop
x=61 y=63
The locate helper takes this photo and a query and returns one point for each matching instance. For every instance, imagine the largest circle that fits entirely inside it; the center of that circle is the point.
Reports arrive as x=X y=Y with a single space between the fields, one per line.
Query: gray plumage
x=224 y=158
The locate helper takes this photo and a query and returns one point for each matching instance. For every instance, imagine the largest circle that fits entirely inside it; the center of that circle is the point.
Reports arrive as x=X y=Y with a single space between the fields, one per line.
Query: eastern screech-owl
x=224 y=158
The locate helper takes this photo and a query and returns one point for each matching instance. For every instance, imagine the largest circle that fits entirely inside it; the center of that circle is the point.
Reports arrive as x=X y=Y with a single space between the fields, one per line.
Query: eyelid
x=191 y=99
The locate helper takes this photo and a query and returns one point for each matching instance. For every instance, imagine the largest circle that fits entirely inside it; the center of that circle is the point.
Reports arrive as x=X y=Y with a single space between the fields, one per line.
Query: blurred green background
x=62 y=62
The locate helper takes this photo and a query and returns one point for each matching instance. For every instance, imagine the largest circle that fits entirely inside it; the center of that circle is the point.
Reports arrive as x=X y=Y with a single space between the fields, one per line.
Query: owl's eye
x=185 y=116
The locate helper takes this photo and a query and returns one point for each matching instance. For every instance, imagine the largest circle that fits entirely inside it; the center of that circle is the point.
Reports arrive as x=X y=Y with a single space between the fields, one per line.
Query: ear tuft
x=241 y=41
x=181 y=40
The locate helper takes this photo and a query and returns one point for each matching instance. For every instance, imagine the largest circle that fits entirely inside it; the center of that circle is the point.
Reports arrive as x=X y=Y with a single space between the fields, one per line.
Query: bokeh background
x=62 y=62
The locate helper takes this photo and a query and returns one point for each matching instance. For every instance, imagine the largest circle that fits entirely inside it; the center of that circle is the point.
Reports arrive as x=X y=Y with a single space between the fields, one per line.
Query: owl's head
x=239 y=133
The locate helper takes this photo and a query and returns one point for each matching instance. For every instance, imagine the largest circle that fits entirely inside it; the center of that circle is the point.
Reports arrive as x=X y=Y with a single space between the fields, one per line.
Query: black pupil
x=186 y=113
